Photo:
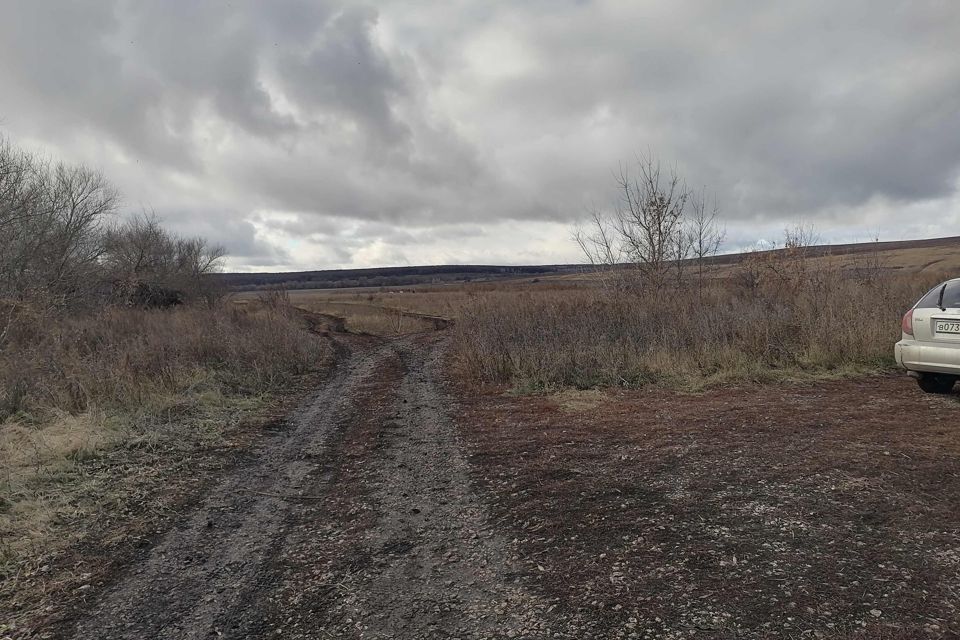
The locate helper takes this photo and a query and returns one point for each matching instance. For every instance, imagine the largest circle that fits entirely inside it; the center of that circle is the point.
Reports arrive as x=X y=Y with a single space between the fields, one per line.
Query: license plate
x=947 y=326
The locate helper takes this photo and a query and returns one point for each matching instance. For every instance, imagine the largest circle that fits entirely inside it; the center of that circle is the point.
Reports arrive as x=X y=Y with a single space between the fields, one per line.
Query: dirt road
x=356 y=520
x=392 y=505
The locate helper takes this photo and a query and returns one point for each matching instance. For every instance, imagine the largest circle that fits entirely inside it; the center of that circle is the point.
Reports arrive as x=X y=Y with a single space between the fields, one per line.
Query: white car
x=929 y=348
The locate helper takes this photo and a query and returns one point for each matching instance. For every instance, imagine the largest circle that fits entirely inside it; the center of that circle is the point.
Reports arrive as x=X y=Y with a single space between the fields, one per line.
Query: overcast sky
x=314 y=134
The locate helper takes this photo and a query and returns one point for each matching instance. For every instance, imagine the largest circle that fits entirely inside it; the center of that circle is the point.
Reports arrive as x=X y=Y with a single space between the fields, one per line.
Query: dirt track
x=356 y=520
x=384 y=509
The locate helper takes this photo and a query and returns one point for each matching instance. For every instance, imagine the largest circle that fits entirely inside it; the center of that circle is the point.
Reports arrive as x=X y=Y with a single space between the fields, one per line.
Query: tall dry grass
x=783 y=319
x=119 y=358
x=74 y=389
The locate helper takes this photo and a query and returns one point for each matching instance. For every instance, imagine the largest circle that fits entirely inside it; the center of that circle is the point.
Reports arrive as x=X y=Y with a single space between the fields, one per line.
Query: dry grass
x=123 y=358
x=790 y=319
x=440 y=301
x=373 y=320
x=371 y=314
x=444 y=301
x=77 y=389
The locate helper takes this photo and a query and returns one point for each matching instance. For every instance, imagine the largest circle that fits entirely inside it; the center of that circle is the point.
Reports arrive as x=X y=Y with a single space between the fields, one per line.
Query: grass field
x=759 y=316
x=101 y=411
x=144 y=409
x=929 y=258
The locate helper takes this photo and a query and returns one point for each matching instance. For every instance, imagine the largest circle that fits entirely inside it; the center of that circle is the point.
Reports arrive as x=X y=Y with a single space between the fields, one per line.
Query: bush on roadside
x=798 y=317
x=80 y=388
x=81 y=324
x=120 y=358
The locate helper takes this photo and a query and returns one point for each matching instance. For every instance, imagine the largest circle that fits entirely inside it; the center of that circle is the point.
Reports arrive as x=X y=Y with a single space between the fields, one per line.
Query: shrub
x=799 y=319
x=119 y=358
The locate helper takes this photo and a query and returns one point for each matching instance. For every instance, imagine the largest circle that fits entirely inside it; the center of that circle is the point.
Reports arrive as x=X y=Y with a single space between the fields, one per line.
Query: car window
x=951 y=297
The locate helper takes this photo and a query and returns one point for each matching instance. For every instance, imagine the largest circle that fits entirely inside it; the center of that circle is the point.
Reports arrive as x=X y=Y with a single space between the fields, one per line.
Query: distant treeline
x=410 y=276
x=385 y=276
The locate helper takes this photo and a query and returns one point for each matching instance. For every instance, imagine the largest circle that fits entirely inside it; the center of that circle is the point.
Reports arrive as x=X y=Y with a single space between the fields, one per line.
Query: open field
x=811 y=493
x=359 y=320
x=925 y=260
x=934 y=256
x=397 y=502
x=442 y=301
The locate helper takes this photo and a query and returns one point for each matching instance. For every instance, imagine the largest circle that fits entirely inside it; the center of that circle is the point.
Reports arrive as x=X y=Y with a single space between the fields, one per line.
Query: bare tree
x=138 y=250
x=58 y=249
x=600 y=244
x=51 y=223
x=197 y=262
x=70 y=240
x=18 y=185
x=648 y=218
x=20 y=192
x=706 y=234
x=140 y=255
x=647 y=229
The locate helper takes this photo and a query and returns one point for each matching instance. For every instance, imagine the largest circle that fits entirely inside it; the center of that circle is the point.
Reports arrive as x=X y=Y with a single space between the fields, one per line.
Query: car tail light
x=907 y=324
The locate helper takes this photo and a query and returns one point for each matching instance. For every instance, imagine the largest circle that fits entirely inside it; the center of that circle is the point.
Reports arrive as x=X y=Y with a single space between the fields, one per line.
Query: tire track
x=445 y=572
x=386 y=540
x=189 y=584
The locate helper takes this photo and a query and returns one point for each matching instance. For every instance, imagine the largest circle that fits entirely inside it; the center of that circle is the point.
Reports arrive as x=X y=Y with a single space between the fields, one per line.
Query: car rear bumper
x=928 y=357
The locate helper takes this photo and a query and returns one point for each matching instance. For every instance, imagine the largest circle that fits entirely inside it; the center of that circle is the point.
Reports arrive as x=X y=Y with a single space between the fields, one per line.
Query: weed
x=790 y=318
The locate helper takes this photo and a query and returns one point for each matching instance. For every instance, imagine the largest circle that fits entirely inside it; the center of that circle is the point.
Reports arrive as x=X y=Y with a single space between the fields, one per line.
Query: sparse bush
x=150 y=266
x=276 y=298
x=789 y=311
x=121 y=359
x=798 y=318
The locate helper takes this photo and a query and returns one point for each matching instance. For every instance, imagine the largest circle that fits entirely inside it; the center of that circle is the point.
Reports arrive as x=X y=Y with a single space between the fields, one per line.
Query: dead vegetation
x=659 y=314
x=119 y=380
x=782 y=319
x=63 y=250
x=379 y=314
x=113 y=339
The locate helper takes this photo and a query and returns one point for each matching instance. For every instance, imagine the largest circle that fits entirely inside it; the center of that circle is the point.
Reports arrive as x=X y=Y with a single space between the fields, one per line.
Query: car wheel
x=936 y=382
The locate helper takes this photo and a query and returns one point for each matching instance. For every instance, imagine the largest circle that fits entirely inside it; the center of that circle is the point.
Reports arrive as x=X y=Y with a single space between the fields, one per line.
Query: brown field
x=533 y=457
x=824 y=509
x=926 y=260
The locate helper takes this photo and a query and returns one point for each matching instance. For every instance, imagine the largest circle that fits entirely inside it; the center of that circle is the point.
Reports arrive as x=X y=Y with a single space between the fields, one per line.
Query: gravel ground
x=822 y=510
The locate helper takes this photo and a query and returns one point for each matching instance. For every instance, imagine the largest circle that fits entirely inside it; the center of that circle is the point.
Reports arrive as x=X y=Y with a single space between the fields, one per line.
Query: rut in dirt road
x=358 y=521
x=189 y=584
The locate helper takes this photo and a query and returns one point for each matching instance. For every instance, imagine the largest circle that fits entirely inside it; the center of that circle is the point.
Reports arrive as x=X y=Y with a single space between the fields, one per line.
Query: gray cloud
x=344 y=73
x=308 y=134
